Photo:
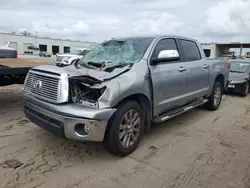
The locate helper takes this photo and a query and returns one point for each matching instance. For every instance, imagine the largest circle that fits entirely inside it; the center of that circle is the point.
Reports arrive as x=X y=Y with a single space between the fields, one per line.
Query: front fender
x=111 y=97
x=133 y=82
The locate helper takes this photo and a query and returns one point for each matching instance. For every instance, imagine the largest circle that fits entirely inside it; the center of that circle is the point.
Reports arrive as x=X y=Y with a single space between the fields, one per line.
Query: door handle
x=182 y=69
x=205 y=66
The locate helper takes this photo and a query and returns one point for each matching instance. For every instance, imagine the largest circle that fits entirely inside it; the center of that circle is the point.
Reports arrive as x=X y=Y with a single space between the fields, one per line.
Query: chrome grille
x=43 y=86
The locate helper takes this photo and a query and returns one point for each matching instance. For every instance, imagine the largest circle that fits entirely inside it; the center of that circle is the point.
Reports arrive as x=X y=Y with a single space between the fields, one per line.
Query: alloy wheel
x=130 y=128
x=217 y=96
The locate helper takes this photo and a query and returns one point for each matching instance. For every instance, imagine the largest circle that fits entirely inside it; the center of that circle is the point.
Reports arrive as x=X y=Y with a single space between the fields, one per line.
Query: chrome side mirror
x=166 y=56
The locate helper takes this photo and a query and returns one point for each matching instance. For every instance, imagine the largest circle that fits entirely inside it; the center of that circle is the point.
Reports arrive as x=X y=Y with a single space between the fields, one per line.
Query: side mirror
x=165 y=56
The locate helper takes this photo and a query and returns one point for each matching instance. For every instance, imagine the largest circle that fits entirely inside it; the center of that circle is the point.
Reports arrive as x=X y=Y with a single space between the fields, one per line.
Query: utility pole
x=241 y=46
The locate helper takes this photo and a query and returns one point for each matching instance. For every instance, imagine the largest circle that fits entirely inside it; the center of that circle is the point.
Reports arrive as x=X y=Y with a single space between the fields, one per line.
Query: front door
x=168 y=79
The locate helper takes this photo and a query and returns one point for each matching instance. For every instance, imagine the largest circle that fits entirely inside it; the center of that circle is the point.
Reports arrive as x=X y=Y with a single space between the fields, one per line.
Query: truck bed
x=14 y=71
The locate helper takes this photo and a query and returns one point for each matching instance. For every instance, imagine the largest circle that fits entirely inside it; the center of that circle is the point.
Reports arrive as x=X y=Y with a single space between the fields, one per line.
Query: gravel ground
x=199 y=149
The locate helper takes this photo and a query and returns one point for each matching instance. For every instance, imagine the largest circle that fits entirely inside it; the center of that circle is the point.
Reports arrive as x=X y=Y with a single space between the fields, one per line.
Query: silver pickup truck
x=118 y=89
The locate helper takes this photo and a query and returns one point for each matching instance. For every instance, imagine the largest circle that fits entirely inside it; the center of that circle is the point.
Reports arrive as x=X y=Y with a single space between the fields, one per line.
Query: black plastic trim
x=47 y=123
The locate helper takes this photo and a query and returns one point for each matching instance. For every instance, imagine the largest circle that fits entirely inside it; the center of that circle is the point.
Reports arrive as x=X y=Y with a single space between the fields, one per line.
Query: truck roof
x=156 y=37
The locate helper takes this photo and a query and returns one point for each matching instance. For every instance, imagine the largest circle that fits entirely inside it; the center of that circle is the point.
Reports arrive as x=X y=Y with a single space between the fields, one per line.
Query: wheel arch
x=144 y=103
x=221 y=79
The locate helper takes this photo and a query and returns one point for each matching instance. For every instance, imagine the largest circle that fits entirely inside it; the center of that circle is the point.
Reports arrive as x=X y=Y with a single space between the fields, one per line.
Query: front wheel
x=215 y=98
x=125 y=129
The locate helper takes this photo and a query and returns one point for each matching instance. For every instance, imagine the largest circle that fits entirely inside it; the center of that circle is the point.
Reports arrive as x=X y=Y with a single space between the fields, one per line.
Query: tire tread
x=210 y=104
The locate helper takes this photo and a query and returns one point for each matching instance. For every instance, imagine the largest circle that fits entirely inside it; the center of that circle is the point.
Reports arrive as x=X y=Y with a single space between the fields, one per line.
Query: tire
x=244 y=89
x=114 y=141
x=214 y=100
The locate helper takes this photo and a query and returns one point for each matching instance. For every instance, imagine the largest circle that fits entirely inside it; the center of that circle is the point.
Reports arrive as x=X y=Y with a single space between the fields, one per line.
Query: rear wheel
x=244 y=90
x=125 y=129
x=214 y=99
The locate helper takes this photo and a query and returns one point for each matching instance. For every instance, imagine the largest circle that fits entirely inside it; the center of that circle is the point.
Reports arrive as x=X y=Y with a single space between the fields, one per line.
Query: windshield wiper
x=105 y=66
x=236 y=71
x=96 y=64
x=120 y=65
x=92 y=65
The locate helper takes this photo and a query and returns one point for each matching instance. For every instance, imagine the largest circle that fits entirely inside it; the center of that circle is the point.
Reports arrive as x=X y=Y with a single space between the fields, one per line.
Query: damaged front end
x=85 y=90
x=97 y=90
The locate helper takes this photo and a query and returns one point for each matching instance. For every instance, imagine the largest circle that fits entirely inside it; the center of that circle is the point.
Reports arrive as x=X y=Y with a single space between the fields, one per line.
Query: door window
x=190 y=50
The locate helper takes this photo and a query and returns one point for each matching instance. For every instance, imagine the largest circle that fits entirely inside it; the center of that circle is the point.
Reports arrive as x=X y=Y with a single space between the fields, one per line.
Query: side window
x=190 y=50
x=164 y=44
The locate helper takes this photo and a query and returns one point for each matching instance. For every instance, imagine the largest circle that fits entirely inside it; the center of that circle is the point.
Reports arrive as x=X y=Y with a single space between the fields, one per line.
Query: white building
x=210 y=49
x=53 y=46
x=214 y=50
x=50 y=45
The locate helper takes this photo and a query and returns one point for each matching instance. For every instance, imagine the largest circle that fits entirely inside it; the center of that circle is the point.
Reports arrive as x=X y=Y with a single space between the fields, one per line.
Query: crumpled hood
x=237 y=76
x=72 y=71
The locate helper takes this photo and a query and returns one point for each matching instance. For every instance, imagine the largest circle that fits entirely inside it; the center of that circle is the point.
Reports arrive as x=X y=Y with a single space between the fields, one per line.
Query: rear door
x=168 y=79
x=197 y=70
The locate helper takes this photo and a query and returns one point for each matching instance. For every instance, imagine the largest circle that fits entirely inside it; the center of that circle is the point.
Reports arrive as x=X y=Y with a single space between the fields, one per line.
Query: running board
x=168 y=115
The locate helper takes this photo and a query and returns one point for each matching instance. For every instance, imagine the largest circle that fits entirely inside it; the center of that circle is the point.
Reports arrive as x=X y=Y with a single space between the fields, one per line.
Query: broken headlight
x=82 y=93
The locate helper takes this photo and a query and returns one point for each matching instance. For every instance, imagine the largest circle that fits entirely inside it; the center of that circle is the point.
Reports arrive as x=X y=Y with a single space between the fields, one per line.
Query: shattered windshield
x=116 y=53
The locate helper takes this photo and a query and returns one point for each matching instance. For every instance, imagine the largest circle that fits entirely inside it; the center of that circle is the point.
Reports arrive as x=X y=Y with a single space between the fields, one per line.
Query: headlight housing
x=83 y=93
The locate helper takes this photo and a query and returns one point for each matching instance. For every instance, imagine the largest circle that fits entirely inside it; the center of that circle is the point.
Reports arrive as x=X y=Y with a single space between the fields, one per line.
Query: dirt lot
x=197 y=149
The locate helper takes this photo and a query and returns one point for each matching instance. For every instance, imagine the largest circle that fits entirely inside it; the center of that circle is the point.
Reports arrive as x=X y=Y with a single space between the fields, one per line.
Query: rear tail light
x=228 y=65
x=16 y=54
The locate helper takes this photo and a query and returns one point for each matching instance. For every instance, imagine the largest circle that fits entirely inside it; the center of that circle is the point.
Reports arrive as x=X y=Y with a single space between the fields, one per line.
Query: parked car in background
x=69 y=58
x=44 y=54
x=122 y=86
x=239 y=77
x=247 y=57
x=7 y=52
x=230 y=55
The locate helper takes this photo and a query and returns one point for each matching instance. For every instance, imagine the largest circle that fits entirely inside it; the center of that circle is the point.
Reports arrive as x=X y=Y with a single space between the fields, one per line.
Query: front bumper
x=68 y=120
x=235 y=87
